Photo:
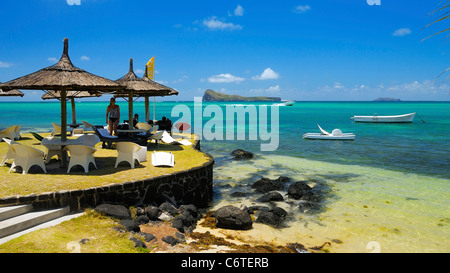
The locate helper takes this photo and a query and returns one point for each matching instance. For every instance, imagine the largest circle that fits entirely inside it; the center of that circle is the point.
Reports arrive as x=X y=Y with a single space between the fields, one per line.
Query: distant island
x=211 y=95
x=387 y=99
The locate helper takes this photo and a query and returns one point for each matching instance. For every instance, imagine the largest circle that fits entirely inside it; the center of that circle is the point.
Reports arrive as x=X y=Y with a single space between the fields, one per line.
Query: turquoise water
x=391 y=185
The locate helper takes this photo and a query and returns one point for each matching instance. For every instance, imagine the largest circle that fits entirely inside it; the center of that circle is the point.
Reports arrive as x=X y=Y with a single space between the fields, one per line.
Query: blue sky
x=302 y=50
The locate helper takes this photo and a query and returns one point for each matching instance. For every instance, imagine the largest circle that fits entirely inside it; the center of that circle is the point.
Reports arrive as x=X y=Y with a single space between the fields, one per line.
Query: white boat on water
x=336 y=134
x=286 y=103
x=385 y=119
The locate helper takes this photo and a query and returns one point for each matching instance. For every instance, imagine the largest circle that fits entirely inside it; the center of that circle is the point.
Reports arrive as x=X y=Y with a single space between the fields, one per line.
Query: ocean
x=387 y=191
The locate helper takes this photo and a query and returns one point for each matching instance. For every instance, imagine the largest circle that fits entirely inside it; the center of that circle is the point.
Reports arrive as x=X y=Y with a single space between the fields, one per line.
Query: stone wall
x=194 y=186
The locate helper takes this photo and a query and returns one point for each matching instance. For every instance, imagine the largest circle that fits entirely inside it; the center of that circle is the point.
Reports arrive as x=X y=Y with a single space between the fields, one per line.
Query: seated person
x=135 y=120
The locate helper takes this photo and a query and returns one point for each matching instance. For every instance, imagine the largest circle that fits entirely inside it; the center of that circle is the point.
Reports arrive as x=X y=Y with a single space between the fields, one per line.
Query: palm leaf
x=445 y=14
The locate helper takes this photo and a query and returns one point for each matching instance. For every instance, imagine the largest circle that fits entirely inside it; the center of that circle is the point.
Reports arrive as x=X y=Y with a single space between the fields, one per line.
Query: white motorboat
x=336 y=134
x=385 y=119
x=286 y=103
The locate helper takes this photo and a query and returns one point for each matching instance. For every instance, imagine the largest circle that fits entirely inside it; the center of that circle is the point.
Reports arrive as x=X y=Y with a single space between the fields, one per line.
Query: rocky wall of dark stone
x=194 y=186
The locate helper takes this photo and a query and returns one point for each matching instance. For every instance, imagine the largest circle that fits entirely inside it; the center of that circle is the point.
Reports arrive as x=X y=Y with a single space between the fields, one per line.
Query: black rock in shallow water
x=232 y=217
x=273 y=217
x=264 y=184
x=297 y=189
x=270 y=197
x=241 y=154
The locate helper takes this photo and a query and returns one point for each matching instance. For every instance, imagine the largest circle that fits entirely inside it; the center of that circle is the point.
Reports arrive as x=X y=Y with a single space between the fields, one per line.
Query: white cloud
x=402 y=32
x=225 y=78
x=73 y=2
x=139 y=71
x=215 y=24
x=338 y=85
x=302 y=9
x=85 y=58
x=3 y=64
x=162 y=81
x=268 y=74
x=181 y=79
x=52 y=59
x=414 y=90
x=239 y=11
x=271 y=89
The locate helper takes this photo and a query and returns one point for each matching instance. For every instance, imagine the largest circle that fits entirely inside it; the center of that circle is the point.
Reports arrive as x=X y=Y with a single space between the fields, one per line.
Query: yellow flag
x=150 y=68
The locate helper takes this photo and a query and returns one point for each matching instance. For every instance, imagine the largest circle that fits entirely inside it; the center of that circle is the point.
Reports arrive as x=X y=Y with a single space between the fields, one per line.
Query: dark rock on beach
x=169 y=208
x=152 y=212
x=231 y=217
x=130 y=225
x=115 y=211
x=191 y=209
x=142 y=219
x=138 y=243
x=241 y=154
x=148 y=237
x=170 y=240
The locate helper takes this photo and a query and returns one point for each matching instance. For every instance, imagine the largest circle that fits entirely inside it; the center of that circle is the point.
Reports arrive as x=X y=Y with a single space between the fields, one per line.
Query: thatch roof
x=70 y=94
x=141 y=87
x=62 y=75
x=11 y=93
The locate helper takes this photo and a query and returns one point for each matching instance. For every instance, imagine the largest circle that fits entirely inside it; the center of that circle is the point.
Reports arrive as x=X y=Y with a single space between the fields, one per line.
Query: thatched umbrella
x=11 y=93
x=62 y=76
x=137 y=87
x=142 y=88
x=72 y=95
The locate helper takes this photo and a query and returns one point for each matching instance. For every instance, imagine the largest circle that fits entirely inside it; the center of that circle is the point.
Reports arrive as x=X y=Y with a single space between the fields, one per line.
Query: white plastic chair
x=56 y=129
x=157 y=136
x=166 y=138
x=10 y=154
x=81 y=155
x=128 y=151
x=17 y=132
x=144 y=126
x=89 y=140
x=160 y=159
x=9 y=133
x=26 y=157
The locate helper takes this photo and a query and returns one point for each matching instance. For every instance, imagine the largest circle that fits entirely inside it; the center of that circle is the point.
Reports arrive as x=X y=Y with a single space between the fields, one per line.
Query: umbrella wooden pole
x=130 y=110
x=63 y=126
x=147 y=114
x=74 y=116
x=154 y=109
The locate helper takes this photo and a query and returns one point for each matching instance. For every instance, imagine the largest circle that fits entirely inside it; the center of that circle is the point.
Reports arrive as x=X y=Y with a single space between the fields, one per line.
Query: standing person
x=113 y=111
